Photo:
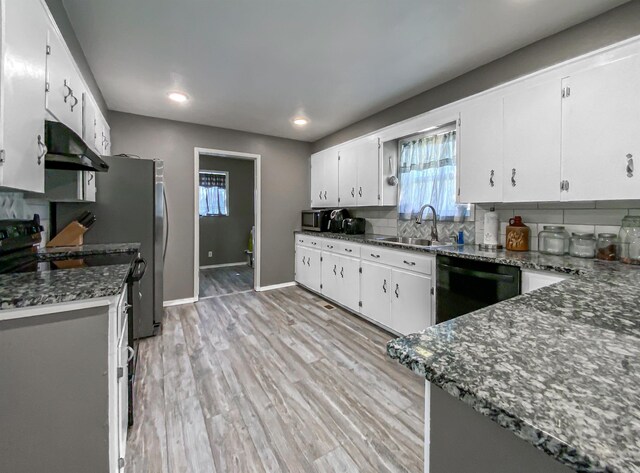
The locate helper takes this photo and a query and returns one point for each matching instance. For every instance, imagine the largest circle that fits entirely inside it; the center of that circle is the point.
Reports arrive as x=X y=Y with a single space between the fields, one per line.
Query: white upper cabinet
x=324 y=178
x=532 y=143
x=348 y=176
x=89 y=121
x=601 y=132
x=480 y=151
x=64 y=86
x=24 y=41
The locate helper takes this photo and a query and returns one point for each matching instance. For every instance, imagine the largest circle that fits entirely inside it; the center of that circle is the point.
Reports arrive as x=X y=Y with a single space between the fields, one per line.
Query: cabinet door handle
x=348 y=250
x=375 y=256
x=491 y=181
x=69 y=91
x=132 y=353
x=342 y=273
x=629 y=165
x=42 y=148
x=309 y=262
x=73 y=105
x=325 y=195
x=335 y=269
x=320 y=195
x=397 y=291
x=410 y=263
x=304 y=260
x=353 y=192
x=360 y=192
x=513 y=177
x=384 y=286
x=91 y=176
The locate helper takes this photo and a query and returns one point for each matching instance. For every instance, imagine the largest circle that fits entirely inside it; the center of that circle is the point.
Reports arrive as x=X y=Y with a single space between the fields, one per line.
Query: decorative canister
x=517 y=235
x=630 y=240
x=553 y=240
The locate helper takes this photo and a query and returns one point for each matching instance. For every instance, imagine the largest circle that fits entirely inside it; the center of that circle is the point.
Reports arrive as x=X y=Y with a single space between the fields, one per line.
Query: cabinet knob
x=513 y=177
x=629 y=165
x=491 y=181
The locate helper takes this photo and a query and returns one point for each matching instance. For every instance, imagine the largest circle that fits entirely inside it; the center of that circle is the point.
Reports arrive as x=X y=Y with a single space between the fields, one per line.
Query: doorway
x=227 y=223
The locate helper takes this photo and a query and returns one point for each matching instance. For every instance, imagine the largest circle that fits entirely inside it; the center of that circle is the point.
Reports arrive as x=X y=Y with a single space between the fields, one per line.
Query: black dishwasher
x=465 y=285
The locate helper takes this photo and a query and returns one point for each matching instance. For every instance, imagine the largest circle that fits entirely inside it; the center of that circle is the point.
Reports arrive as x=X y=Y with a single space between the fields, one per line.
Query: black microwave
x=316 y=220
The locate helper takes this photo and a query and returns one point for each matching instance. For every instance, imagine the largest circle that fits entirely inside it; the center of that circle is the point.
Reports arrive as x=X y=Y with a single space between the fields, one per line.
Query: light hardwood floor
x=273 y=382
x=225 y=280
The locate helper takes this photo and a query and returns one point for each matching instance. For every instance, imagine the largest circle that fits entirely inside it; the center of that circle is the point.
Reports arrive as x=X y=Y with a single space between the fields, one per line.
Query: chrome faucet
x=434 y=226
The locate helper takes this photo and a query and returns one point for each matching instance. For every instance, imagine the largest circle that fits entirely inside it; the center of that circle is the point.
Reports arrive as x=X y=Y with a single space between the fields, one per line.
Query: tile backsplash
x=588 y=217
x=380 y=220
x=14 y=205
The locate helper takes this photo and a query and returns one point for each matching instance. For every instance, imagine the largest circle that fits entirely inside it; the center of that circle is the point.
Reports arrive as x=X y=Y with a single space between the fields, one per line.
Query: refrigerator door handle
x=166 y=224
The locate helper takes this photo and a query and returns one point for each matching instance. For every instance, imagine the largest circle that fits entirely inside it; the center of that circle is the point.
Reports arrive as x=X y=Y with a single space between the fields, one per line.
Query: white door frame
x=257 y=199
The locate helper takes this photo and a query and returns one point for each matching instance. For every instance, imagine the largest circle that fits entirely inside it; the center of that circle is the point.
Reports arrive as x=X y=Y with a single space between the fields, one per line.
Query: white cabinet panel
x=317 y=174
x=349 y=283
x=123 y=391
x=348 y=177
x=600 y=123
x=89 y=186
x=24 y=60
x=368 y=173
x=331 y=180
x=324 y=178
x=480 y=151
x=532 y=143
x=302 y=273
x=411 y=302
x=89 y=121
x=314 y=269
x=65 y=89
x=375 y=289
x=330 y=270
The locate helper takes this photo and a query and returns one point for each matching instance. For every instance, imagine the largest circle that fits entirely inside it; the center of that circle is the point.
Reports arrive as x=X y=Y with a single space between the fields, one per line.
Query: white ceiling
x=255 y=64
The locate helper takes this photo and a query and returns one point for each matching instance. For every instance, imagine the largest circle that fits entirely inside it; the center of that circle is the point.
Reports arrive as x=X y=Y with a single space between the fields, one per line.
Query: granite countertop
x=29 y=289
x=65 y=252
x=559 y=366
x=20 y=290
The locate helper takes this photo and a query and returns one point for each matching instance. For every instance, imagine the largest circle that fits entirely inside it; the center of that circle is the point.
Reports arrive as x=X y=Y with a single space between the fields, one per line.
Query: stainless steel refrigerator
x=130 y=207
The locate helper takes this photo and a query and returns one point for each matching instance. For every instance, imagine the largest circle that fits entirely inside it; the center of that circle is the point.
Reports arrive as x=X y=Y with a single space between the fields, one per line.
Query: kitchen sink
x=407 y=241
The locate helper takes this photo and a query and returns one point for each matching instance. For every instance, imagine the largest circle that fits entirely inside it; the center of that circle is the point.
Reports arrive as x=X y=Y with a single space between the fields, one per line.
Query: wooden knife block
x=71 y=235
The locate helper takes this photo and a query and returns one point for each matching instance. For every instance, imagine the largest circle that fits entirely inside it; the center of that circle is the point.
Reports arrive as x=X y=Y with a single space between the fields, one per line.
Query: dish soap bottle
x=517 y=235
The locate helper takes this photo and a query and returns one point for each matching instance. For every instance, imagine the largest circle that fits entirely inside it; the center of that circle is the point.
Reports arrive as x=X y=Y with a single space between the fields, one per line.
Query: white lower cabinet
x=375 y=285
x=411 y=301
x=308 y=269
x=393 y=288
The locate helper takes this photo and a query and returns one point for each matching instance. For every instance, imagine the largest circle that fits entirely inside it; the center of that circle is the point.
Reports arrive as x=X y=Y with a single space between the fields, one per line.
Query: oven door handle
x=477 y=274
x=139 y=268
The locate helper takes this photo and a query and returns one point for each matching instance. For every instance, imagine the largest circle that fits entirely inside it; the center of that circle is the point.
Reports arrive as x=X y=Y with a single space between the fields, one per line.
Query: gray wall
x=285 y=189
x=62 y=20
x=227 y=236
x=613 y=26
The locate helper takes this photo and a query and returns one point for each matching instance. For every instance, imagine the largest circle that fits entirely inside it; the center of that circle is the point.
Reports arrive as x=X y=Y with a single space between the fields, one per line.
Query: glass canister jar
x=582 y=245
x=630 y=240
x=607 y=247
x=553 y=240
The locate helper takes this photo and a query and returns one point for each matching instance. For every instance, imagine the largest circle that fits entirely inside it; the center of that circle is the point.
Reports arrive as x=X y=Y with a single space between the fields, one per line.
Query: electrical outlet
x=210 y=254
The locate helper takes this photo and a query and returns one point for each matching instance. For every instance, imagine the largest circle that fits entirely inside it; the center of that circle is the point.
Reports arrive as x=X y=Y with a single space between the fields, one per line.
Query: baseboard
x=276 y=286
x=188 y=300
x=226 y=265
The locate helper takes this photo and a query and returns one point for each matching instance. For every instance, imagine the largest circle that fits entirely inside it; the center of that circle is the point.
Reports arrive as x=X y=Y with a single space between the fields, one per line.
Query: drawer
x=408 y=260
x=340 y=247
x=308 y=241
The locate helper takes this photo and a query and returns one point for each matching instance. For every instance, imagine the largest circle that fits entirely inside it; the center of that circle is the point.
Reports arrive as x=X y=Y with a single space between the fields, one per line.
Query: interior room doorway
x=227 y=223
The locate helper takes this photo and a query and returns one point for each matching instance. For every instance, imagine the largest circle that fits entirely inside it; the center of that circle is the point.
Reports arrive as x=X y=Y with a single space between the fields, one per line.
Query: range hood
x=66 y=150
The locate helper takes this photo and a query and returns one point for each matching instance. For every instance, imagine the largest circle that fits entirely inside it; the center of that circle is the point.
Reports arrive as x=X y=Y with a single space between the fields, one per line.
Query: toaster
x=354 y=226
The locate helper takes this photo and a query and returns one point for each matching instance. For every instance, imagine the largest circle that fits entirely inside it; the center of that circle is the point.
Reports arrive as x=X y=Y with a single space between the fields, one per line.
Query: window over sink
x=427 y=174
x=214 y=193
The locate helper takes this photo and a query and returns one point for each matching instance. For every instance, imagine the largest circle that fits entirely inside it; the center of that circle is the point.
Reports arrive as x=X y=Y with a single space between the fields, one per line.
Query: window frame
x=436 y=130
x=226 y=190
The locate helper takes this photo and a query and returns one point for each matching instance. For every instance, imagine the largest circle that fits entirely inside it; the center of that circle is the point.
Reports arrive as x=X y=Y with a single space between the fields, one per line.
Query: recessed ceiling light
x=300 y=121
x=178 y=97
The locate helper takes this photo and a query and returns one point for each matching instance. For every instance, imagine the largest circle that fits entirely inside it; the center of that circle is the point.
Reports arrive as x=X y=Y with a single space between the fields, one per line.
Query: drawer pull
x=375 y=256
x=348 y=250
x=410 y=263
x=314 y=243
x=330 y=247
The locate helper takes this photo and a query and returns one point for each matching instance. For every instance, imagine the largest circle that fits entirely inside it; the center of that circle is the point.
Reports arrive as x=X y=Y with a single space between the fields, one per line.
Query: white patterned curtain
x=213 y=194
x=428 y=176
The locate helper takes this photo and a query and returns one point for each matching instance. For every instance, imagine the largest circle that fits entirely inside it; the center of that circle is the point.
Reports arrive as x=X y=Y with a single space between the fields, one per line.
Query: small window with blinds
x=214 y=193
